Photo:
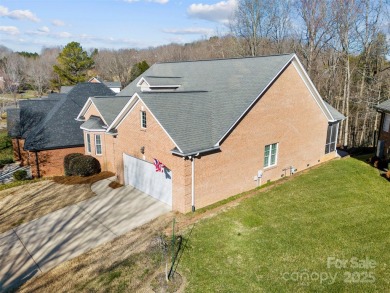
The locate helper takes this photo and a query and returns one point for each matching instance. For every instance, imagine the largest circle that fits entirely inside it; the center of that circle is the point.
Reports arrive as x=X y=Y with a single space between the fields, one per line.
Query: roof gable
x=59 y=129
x=213 y=96
x=384 y=106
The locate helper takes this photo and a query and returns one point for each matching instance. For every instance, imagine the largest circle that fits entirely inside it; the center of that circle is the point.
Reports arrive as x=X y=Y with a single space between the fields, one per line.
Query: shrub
x=373 y=159
x=20 y=175
x=68 y=158
x=84 y=166
x=380 y=164
x=6 y=161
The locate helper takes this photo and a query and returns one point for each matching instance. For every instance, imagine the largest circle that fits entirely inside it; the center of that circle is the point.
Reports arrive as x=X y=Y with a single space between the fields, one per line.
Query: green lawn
x=281 y=240
x=5 y=146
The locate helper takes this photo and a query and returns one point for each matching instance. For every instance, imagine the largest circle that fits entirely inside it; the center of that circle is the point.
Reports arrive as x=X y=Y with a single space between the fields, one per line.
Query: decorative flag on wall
x=159 y=166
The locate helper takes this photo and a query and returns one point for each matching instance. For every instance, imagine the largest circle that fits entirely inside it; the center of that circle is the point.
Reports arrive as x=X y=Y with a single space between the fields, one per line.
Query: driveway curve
x=44 y=243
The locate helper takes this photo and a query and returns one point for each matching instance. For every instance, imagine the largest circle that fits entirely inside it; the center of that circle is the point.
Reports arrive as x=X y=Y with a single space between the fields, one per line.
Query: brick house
x=219 y=127
x=44 y=130
x=383 y=143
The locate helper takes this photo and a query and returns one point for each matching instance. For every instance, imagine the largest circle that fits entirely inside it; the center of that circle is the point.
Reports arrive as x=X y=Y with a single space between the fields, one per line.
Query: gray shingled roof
x=110 y=107
x=385 y=106
x=22 y=120
x=59 y=129
x=66 y=89
x=111 y=84
x=93 y=123
x=336 y=114
x=213 y=96
x=162 y=80
x=13 y=122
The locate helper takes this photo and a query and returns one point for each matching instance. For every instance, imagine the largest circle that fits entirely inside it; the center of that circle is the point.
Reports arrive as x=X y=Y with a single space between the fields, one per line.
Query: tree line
x=342 y=44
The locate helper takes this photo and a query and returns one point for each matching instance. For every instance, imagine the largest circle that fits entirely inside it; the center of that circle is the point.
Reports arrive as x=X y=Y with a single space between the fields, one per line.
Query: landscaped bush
x=380 y=164
x=84 y=166
x=20 y=175
x=68 y=158
x=6 y=161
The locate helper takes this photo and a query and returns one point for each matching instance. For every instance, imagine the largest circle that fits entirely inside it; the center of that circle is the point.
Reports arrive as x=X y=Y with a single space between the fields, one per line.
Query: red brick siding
x=51 y=162
x=286 y=114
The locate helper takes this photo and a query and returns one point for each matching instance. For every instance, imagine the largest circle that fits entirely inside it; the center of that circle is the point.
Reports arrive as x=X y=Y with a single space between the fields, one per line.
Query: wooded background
x=343 y=44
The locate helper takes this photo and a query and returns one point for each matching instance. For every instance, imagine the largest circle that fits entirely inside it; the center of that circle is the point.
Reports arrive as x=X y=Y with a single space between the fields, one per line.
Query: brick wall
x=287 y=114
x=19 y=153
x=51 y=163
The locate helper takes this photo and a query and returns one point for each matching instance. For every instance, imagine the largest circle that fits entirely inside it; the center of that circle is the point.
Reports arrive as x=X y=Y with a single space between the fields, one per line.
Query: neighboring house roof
x=13 y=121
x=113 y=84
x=66 y=89
x=59 y=129
x=384 y=107
x=22 y=120
x=110 y=84
x=212 y=98
x=94 y=124
x=336 y=114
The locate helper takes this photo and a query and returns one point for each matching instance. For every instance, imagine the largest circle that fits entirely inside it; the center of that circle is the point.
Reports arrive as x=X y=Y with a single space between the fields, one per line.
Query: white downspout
x=193 y=183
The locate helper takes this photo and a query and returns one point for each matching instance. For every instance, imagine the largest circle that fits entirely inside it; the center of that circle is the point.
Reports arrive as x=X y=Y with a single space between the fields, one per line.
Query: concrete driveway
x=42 y=244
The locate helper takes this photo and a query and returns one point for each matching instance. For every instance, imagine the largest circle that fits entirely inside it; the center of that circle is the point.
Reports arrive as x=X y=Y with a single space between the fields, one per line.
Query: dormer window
x=159 y=83
x=143 y=119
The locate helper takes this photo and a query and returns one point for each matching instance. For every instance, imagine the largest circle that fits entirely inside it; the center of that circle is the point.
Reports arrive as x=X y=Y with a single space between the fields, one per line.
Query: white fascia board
x=166 y=86
x=161 y=126
x=123 y=112
x=84 y=109
x=310 y=86
x=258 y=97
x=92 y=130
x=141 y=81
x=100 y=114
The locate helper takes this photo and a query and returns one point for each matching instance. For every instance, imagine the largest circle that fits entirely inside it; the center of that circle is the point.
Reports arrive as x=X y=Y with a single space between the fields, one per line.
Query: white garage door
x=143 y=176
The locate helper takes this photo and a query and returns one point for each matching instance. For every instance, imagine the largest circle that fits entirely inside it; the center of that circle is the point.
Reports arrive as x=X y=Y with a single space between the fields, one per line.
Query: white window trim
x=101 y=145
x=146 y=123
x=269 y=157
x=89 y=146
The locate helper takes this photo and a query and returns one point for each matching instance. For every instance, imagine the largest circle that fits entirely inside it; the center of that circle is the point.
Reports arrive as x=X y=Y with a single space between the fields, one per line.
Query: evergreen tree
x=73 y=65
x=138 y=69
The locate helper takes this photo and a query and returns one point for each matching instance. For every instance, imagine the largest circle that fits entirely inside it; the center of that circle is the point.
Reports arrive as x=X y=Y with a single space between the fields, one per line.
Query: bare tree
x=39 y=73
x=14 y=67
x=116 y=65
x=252 y=22
x=280 y=24
x=346 y=12
x=316 y=27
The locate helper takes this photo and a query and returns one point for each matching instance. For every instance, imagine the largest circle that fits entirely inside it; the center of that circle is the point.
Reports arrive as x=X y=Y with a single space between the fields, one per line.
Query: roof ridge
x=222 y=59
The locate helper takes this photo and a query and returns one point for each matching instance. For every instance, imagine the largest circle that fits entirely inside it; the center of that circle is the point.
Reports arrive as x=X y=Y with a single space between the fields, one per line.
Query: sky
x=30 y=25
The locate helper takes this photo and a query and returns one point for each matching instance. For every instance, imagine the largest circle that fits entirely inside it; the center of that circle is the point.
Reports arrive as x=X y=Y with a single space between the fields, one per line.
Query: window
x=331 y=137
x=386 y=123
x=98 y=144
x=143 y=119
x=88 y=143
x=270 y=155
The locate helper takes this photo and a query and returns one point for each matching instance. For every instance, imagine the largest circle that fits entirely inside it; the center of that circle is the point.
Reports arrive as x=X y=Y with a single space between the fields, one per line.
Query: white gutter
x=196 y=153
